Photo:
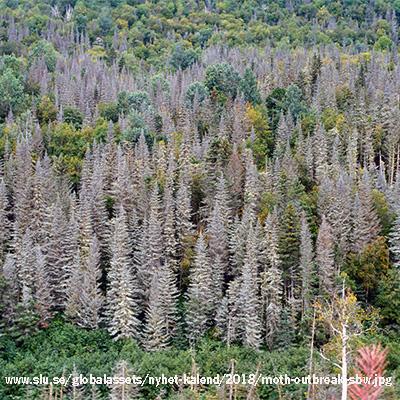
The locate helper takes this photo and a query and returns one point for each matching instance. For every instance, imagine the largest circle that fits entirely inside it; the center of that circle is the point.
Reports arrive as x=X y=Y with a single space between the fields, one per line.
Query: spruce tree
x=366 y=224
x=43 y=298
x=122 y=308
x=162 y=310
x=325 y=258
x=249 y=293
x=200 y=300
x=394 y=242
x=91 y=298
x=289 y=249
x=271 y=281
x=306 y=264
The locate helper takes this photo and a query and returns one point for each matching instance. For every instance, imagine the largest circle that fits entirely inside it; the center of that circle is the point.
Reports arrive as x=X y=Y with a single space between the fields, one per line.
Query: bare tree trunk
x=231 y=386
x=344 y=354
x=310 y=391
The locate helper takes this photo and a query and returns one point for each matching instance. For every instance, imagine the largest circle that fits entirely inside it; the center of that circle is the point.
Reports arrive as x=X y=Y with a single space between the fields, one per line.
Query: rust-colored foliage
x=371 y=363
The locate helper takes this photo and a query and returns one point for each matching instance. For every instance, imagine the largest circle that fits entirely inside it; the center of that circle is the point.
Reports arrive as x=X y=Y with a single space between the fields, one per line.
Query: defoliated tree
x=5 y=224
x=122 y=309
x=271 y=283
x=151 y=245
x=184 y=226
x=394 y=241
x=162 y=310
x=249 y=293
x=307 y=266
x=123 y=391
x=218 y=236
x=325 y=258
x=228 y=317
x=43 y=298
x=200 y=299
x=366 y=224
x=91 y=297
x=289 y=249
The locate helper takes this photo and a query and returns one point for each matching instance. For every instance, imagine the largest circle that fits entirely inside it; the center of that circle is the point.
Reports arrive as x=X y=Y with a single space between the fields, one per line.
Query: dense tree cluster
x=176 y=32
x=222 y=197
x=186 y=217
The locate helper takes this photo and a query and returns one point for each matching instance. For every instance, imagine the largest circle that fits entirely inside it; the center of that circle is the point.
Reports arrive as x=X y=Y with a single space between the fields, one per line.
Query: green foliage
x=109 y=111
x=25 y=322
x=62 y=346
x=11 y=92
x=289 y=240
x=262 y=143
x=294 y=102
x=137 y=126
x=388 y=298
x=275 y=103
x=222 y=81
x=369 y=268
x=158 y=82
x=44 y=49
x=46 y=110
x=73 y=116
x=385 y=214
x=139 y=101
x=248 y=87
x=383 y=43
x=183 y=56
x=196 y=90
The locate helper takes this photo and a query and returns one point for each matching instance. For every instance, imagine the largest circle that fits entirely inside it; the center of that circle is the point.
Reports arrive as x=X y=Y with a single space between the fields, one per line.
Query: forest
x=199 y=187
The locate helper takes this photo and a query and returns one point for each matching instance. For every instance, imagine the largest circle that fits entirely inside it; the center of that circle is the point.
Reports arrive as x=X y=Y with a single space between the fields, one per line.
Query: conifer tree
x=271 y=282
x=57 y=257
x=123 y=391
x=200 y=300
x=43 y=299
x=5 y=225
x=366 y=224
x=306 y=264
x=325 y=258
x=289 y=249
x=249 y=293
x=248 y=87
x=91 y=298
x=229 y=312
x=184 y=226
x=162 y=310
x=394 y=241
x=121 y=305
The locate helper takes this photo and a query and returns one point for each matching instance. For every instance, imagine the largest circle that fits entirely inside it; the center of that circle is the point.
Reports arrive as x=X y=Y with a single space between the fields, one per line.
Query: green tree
x=222 y=81
x=196 y=90
x=248 y=87
x=73 y=116
x=183 y=56
x=11 y=92
x=44 y=49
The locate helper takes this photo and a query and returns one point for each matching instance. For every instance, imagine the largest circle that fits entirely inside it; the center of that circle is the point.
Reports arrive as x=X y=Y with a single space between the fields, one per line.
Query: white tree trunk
x=344 y=362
